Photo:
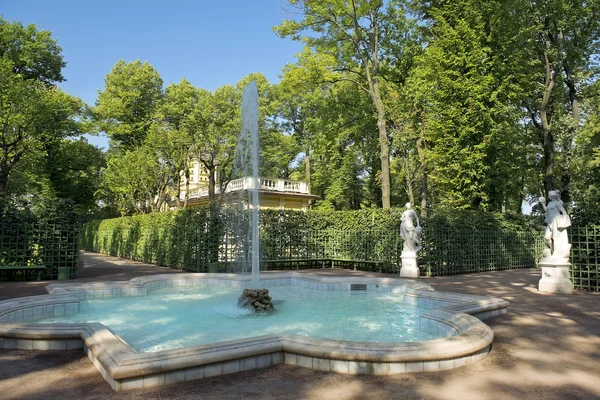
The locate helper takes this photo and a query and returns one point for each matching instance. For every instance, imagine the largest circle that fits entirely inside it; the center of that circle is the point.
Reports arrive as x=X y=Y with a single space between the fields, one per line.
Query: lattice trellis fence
x=585 y=256
x=450 y=251
x=193 y=239
x=32 y=244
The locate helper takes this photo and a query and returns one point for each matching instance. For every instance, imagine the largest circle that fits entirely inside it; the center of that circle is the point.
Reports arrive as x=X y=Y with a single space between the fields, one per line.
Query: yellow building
x=274 y=193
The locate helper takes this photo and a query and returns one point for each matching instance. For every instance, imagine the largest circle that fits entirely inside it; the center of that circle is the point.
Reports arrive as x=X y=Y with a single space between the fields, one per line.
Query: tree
x=586 y=159
x=75 y=172
x=136 y=180
x=299 y=99
x=126 y=107
x=562 y=36
x=30 y=63
x=41 y=166
x=214 y=124
x=34 y=115
x=172 y=149
x=345 y=157
x=359 y=34
x=65 y=169
x=69 y=172
x=466 y=89
x=31 y=53
x=170 y=133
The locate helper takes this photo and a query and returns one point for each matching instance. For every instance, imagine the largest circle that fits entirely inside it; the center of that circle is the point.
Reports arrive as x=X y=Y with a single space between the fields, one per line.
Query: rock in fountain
x=257 y=300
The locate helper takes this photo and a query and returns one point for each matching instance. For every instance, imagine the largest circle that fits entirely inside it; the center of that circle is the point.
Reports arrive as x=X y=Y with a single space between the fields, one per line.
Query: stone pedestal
x=555 y=276
x=410 y=268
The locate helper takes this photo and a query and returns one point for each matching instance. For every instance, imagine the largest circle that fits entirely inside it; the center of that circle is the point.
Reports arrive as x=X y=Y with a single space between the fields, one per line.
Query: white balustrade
x=276 y=185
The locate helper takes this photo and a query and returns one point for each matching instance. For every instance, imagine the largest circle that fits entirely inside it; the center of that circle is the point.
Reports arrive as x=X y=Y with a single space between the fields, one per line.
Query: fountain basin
x=455 y=316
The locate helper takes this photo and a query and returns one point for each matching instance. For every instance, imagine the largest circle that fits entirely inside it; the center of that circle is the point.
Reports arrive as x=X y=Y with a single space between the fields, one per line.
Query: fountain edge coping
x=116 y=360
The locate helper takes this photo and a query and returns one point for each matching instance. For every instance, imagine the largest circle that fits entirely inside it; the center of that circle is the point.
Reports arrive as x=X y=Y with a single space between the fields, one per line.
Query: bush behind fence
x=585 y=256
x=453 y=242
x=32 y=243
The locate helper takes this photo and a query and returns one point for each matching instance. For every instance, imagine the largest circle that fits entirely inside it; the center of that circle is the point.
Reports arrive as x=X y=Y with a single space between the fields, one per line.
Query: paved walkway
x=546 y=347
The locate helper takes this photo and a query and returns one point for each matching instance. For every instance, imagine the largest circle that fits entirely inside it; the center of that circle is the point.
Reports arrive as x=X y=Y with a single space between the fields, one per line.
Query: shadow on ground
x=546 y=347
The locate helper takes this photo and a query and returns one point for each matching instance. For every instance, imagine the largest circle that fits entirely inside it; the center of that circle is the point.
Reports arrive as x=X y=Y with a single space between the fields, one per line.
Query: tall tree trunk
x=4 y=172
x=409 y=186
x=6 y=165
x=548 y=138
x=575 y=113
x=307 y=168
x=50 y=161
x=384 y=148
x=178 y=193
x=187 y=187
x=3 y=188
x=521 y=198
x=422 y=160
x=211 y=183
x=570 y=82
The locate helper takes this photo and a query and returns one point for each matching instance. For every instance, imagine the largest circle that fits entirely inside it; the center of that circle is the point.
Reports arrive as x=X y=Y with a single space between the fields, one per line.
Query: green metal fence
x=450 y=251
x=364 y=244
x=33 y=244
x=585 y=256
x=194 y=239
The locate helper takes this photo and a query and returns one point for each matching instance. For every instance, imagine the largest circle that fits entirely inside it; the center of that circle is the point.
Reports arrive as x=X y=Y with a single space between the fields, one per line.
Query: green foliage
x=462 y=95
x=125 y=106
x=37 y=117
x=137 y=180
x=454 y=242
x=32 y=54
x=328 y=123
x=184 y=239
x=585 y=250
x=51 y=239
x=64 y=170
x=361 y=37
x=586 y=162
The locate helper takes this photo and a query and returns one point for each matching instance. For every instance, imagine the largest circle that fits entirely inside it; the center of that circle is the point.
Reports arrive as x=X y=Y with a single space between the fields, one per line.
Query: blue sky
x=211 y=43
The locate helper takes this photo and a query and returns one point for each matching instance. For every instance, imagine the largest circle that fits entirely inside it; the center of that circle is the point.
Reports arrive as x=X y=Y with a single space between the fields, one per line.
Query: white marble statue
x=410 y=230
x=557 y=222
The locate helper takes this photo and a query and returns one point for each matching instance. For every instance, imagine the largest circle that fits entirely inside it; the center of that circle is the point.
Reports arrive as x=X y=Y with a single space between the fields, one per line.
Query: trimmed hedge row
x=187 y=239
x=453 y=241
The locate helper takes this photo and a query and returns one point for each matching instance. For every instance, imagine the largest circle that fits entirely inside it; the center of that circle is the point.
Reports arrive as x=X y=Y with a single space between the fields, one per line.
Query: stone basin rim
x=457 y=315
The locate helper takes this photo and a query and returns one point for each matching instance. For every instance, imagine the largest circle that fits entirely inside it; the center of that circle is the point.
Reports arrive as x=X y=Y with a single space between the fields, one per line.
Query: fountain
x=247 y=154
x=395 y=325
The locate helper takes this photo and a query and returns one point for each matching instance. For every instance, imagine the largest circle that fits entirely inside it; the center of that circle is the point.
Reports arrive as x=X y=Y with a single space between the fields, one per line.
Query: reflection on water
x=188 y=316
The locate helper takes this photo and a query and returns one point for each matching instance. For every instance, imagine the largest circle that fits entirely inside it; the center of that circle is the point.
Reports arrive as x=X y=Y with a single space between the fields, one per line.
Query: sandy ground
x=546 y=347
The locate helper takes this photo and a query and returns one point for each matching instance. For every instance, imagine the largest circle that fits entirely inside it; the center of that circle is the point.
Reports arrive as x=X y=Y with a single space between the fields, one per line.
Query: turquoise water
x=187 y=316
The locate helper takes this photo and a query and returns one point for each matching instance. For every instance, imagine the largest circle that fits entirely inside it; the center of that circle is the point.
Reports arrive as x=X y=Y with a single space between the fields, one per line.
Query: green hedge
x=453 y=241
x=187 y=239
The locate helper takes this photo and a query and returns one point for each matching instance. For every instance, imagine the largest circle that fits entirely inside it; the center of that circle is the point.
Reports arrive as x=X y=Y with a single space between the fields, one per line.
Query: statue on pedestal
x=410 y=230
x=557 y=221
x=555 y=258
